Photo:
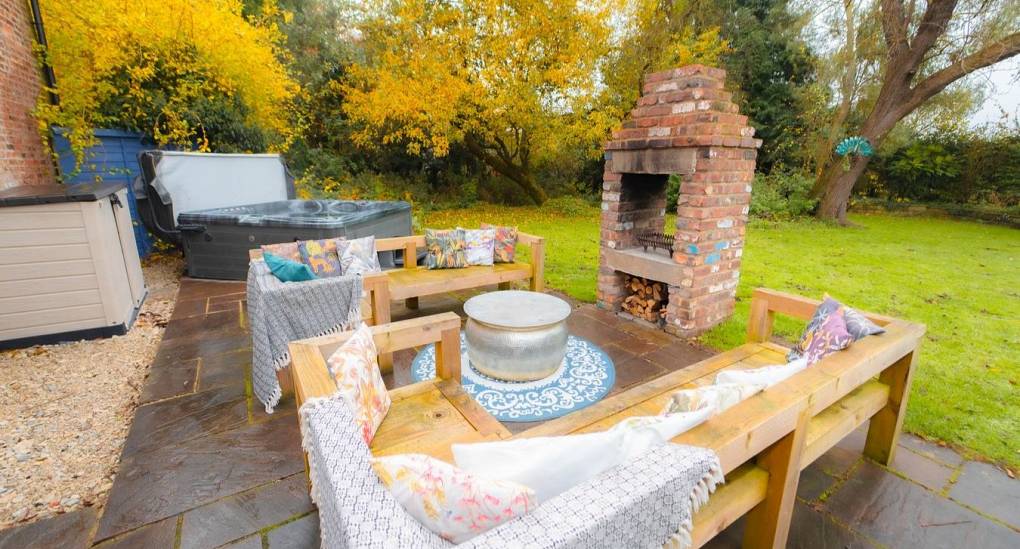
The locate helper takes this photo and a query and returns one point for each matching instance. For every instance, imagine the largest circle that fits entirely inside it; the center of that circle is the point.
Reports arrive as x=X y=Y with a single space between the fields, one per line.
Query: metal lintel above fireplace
x=655 y=161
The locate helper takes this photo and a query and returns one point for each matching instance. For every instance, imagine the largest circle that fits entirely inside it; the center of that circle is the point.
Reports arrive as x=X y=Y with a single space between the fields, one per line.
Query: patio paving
x=204 y=465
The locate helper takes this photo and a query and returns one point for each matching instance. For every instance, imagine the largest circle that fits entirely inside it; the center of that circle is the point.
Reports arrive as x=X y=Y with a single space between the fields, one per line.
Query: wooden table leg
x=768 y=523
x=884 y=431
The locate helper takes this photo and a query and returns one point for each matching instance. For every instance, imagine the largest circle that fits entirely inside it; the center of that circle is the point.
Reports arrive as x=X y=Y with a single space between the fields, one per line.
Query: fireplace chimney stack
x=684 y=124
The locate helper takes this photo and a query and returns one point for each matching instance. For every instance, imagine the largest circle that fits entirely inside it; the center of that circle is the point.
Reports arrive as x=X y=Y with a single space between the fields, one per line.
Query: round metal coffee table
x=516 y=335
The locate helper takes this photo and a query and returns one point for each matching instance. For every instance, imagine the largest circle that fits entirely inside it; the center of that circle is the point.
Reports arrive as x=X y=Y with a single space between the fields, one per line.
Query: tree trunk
x=507 y=168
x=897 y=98
x=839 y=183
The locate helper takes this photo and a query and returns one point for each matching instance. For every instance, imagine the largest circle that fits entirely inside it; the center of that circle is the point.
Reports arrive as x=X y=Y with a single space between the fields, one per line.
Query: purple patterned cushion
x=826 y=333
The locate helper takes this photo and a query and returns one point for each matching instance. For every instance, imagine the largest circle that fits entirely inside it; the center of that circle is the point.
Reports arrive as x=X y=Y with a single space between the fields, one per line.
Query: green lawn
x=961 y=279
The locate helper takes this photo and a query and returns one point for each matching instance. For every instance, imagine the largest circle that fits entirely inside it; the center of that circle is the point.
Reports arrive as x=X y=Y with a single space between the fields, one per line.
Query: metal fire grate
x=654 y=240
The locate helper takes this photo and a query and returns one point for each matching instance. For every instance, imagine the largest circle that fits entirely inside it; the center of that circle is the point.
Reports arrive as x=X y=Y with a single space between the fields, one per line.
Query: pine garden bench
x=763 y=443
x=414 y=281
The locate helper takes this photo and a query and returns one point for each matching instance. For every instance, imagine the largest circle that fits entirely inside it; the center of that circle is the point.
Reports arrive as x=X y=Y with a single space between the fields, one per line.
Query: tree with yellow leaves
x=513 y=81
x=173 y=69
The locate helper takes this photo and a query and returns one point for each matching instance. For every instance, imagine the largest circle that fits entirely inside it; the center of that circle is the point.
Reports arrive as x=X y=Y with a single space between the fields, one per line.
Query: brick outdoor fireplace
x=683 y=124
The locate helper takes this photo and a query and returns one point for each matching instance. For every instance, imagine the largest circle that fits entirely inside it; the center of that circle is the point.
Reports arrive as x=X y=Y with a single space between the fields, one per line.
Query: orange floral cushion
x=355 y=368
x=450 y=501
x=506 y=242
x=286 y=250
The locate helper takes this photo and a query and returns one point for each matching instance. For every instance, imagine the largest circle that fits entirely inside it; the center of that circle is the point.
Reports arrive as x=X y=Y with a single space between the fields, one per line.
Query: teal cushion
x=287 y=270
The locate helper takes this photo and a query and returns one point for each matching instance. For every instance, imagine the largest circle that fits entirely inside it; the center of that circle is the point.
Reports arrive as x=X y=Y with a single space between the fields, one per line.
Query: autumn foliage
x=170 y=68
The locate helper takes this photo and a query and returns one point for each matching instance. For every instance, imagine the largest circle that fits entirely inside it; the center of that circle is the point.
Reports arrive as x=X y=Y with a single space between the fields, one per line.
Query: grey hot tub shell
x=218 y=206
x=216 y=241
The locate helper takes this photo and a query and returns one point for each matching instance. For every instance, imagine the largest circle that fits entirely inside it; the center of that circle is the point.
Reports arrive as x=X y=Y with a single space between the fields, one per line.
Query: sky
x=1002 y=93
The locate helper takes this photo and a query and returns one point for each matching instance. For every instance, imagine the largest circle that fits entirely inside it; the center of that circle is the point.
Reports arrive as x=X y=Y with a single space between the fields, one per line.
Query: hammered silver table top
x=517 y=309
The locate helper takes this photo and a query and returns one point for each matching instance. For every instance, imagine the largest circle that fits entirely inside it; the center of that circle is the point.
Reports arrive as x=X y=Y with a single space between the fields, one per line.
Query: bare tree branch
x=933 y=24
x=989 y=55
x=894 y=26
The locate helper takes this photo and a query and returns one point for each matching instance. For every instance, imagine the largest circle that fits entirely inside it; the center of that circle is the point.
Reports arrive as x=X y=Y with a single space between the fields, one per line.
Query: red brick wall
x=23 y=157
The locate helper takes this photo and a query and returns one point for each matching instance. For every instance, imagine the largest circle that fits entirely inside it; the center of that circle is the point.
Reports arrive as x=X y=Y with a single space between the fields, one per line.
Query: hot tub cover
x=200 y=181
x=316 y=214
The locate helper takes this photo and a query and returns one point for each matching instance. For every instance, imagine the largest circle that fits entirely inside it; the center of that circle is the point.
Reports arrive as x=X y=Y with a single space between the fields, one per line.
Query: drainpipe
x=49 y=77
x=40 y=37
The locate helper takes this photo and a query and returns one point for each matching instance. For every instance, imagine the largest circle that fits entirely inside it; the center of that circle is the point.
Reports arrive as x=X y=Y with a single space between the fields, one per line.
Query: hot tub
x=219 y=206
x=216 y=241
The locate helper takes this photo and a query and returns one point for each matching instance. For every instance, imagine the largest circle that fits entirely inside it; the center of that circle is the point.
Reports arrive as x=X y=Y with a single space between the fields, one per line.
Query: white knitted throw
x=281 y=312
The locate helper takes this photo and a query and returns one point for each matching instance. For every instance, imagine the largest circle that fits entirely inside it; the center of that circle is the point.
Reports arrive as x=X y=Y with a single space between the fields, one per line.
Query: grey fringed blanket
x=646 y=503
x=281 y=312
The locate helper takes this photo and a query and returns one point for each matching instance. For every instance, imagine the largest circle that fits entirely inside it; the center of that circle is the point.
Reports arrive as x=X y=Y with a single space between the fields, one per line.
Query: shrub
x=194 y=74
x=781 y=196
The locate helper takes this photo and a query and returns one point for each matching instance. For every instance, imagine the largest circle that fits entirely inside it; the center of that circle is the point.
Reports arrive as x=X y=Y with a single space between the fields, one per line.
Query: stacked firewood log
x=646 y=299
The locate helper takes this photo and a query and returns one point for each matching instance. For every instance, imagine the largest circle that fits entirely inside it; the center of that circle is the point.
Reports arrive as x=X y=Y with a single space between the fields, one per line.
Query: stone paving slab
x=158 y=534
x=70 y=531
x=987 y=489
x=926 y=472
x=900 y=513
x=176 y=478
x=237 y=516
x=299 y=534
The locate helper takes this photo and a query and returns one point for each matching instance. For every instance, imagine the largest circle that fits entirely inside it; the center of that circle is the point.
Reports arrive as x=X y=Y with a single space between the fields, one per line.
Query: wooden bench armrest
x=537 y=245
x=308 y=356
x=765 y=303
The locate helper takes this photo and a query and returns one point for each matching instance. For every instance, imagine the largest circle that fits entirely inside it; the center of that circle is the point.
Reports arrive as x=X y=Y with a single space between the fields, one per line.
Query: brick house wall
x=24 y=159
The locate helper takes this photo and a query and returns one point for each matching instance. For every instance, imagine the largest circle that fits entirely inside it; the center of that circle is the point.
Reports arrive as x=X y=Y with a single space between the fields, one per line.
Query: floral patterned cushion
x=445 y=249
x=357 y=256
x=451 y=502
x=284 y=250
x=480 y=244
x=355 y=368
x=321 y=256
x=506 y=242
x=717 y=398
x=825 y=333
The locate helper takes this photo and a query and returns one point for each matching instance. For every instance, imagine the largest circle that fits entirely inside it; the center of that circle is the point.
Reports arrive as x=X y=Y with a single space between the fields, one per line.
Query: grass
x=961 y=279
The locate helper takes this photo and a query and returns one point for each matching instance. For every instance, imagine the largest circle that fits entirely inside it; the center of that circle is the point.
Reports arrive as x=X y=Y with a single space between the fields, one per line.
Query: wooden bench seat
x=414 y=281
x=763 y=443
x=419 y=281
x=424 y=417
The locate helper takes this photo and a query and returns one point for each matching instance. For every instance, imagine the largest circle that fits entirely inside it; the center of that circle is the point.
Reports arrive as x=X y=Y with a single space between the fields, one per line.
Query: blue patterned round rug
x=584 y=377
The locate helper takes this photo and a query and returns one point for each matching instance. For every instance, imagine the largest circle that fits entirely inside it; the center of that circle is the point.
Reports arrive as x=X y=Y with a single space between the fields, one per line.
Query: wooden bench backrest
x=766 y=303
x=308 y=367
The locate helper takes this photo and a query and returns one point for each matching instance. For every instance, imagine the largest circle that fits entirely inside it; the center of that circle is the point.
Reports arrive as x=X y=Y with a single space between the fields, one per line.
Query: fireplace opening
x=645 y=300
x=645 y=216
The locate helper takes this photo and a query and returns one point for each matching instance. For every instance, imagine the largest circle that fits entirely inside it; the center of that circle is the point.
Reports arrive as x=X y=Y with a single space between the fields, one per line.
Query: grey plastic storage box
x=69 y=266
x=218 y=206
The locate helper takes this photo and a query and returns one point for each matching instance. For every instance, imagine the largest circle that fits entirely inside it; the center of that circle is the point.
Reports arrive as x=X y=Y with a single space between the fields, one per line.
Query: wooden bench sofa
x=414 y=281
x=763 y=443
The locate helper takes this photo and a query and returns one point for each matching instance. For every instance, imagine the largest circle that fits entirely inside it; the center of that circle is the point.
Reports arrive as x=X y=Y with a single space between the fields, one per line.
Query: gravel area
x=65 y=409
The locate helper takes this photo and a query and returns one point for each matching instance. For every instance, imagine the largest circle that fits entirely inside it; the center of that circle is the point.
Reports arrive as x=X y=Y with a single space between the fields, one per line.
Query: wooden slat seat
x=413 y=281
x=419 y=281
x=424 y=417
